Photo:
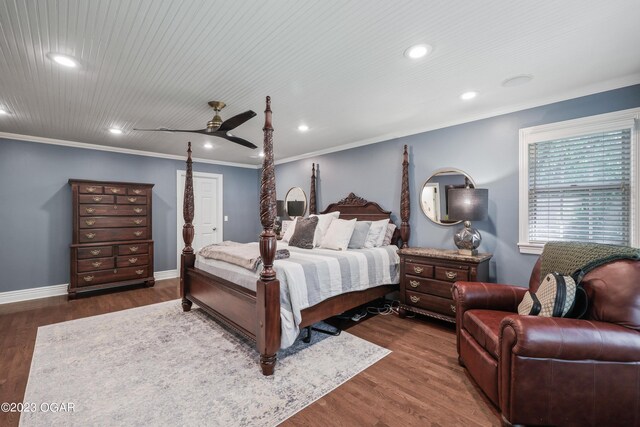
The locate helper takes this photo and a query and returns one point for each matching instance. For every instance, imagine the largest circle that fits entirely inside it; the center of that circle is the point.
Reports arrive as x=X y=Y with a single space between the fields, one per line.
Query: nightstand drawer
x=428 y=286
x=431 y=303
x=421 y=270
x=452 y=274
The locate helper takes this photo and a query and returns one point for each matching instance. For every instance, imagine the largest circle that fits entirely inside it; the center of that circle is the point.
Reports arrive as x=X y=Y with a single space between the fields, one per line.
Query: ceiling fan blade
x=235 y=139
x=236 y=121
x=172 y=130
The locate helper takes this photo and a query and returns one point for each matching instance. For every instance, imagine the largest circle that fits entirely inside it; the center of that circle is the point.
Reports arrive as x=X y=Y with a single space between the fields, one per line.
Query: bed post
x=268 y=287
x=405 y=206
x=188 y=258
x=313 y=209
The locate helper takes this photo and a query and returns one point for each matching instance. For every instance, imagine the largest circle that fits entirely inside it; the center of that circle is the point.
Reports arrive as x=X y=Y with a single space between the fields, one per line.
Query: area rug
x=156 y=365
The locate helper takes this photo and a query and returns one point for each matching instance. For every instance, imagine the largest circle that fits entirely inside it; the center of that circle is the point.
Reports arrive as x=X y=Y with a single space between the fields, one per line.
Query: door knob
x=215 y=228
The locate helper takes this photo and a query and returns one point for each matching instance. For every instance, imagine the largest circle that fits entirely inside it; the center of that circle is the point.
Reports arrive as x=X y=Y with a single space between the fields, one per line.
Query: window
x=579 y=181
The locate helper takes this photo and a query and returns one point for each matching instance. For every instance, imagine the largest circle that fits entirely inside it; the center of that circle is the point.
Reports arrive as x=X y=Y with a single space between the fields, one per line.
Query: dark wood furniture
x=112 y=238
x=427 y=276
x=256 y=315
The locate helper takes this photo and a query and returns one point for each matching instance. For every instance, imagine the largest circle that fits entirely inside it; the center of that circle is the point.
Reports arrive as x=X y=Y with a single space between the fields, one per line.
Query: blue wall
x=35 y=206
x=485 y=149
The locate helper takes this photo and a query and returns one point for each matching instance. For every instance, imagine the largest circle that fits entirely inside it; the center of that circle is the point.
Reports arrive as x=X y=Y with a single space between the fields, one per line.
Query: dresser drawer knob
x=88 y=278
x=96 y=251
x=90 y=235
x=89 y=221
x=115 y=190
x=133 y=260
x=139 y=272
x=451 y=274
x=132 y=199
x=133 y=248
x=137 y=191
x=414 y=298
x=138 y=221
x=137 y=210
x=90 y=210
x=417 y=269
x=138 y=233
x=97 y=264
x=453 y=308
x=97 y=198
x=414 y=283
x=91 y=189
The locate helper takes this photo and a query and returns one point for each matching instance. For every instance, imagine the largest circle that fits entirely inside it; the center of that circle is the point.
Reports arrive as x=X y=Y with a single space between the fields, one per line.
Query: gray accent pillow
x=304 y=232
x=359 y=235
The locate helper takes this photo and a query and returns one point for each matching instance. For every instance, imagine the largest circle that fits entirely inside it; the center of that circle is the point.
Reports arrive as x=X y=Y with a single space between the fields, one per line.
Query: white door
x=207 y=218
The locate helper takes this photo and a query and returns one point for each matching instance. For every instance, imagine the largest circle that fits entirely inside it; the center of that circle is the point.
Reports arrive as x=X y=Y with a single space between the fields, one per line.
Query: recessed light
x=468 y=95
x=518 y=80
x=115 y=131
x=418 y=51
x=4 y=112
x=261 y=154
x=64 y=60
x=208 y=145
x=303 y=128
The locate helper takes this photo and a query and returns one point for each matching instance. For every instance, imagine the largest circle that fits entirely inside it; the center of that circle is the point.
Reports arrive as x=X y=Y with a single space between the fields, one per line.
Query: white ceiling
x=335 y=65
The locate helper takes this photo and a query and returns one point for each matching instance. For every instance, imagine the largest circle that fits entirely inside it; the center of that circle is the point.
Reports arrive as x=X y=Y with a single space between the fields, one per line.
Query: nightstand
x=427 y=276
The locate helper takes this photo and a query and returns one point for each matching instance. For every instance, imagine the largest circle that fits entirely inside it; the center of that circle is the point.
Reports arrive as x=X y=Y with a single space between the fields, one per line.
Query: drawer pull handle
x=138 y=233
x=417 y=269
x=90 y=235
x=133 y=260
x=97 y=198
x=90 y=210
x=97 y=264
x=137 y=210
x=96 y=251
x=133 y=248
x=414 y=283
x=453 y=308
x=90 y=221
x=132 y=199
x=91 y=189
x=451 y=274
x=137 y=191
x=138 y=272
x=88 y=278
x=138 y=221
x=414 y=298
x=115 y=190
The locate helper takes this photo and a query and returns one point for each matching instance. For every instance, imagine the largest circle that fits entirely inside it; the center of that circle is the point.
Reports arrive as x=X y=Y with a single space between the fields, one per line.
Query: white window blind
x=580 y=188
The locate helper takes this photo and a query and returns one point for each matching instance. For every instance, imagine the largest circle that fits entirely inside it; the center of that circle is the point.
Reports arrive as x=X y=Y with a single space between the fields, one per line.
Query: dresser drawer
x=115 y=275
x=96 y=198
x=109 y=222
x=133 y=249
x=421 y=270
x=452 y=274
x=431 y=303
x=90 y=189
x=111 y=234
x=132 y=200
x=131 y=260
x=134 y=191
x=95 y=264
x=428 y=286
x=112 y=210
x=114 y=190
x=95 y=252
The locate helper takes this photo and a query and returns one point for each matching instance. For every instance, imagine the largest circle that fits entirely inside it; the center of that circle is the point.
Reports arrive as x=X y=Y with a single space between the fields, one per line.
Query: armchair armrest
x=567 y=339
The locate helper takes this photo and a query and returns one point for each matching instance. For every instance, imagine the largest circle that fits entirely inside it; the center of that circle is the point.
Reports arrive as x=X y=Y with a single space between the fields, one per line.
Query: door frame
x=179 y=197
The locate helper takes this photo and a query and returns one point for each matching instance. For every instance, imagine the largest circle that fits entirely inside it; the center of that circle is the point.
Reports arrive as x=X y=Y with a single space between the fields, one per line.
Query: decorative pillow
x=359 y=235
x=376 y=233
x=338 y=235
x=303 y=234
x=323 y=225
x=287 y=231
x=285 y=226
x=389 y=234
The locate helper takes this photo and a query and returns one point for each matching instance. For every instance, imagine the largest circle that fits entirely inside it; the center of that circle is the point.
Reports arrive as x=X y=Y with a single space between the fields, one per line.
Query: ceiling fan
x=217 y=127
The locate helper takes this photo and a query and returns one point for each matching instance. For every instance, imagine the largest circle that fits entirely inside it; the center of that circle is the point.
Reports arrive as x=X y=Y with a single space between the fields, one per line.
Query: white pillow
x=323 y=225
x=388 y=234
x=376 y=233
x=338 y=235
x=289 y=231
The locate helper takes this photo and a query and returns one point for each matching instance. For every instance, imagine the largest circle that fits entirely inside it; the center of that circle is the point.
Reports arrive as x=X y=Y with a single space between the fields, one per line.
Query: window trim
x=582 y=126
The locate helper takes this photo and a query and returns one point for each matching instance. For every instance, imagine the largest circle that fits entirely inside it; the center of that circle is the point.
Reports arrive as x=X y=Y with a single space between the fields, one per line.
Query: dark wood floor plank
x=419 y=384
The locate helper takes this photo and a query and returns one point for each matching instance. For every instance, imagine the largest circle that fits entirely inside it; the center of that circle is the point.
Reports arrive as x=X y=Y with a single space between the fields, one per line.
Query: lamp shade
x=280 y=208
x=295 y=208
x=468 y=204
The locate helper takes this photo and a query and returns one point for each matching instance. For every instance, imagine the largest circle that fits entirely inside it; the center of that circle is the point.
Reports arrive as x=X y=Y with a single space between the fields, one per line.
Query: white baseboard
x=57 y=290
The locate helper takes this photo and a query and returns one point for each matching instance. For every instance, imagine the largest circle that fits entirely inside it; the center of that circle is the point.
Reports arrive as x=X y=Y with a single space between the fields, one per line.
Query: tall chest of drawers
x=427 y=276
x=112 y=236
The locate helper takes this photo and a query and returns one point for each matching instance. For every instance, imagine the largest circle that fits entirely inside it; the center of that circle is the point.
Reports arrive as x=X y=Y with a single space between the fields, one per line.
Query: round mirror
x=434 y=195
x=295 y=203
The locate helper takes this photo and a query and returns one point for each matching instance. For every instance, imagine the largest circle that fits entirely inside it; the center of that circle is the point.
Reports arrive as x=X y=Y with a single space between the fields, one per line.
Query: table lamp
x=468 y=204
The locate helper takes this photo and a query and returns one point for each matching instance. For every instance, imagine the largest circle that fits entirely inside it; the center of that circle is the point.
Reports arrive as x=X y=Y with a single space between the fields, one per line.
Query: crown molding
x=76 y=144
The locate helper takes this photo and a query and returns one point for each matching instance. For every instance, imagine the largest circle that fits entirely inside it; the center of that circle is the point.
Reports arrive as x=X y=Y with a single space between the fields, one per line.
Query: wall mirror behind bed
x=295 y=202
x=434 y=195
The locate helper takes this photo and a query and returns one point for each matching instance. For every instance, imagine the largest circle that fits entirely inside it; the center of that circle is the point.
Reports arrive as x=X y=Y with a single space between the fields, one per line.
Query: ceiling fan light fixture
x=115 y=131
x=468 y=95
x=64 y=60
x=303 y=128
x=418 y=51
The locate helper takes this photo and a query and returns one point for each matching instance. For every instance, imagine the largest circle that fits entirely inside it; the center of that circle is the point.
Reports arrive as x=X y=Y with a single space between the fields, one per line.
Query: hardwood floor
x=419 y=384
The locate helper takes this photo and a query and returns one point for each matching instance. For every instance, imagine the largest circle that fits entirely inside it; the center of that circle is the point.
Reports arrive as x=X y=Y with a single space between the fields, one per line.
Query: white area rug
x=156 y=365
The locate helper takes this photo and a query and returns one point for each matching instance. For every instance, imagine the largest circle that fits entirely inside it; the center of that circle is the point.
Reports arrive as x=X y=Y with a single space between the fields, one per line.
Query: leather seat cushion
x=484 y=327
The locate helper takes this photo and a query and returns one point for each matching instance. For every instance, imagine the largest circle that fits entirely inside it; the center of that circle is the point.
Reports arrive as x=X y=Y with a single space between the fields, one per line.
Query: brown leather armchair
x=556 y=371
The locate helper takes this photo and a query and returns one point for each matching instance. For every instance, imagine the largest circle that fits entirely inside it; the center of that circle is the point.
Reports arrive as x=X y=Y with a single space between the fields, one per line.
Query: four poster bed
x=256 y=314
